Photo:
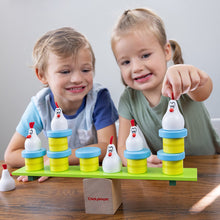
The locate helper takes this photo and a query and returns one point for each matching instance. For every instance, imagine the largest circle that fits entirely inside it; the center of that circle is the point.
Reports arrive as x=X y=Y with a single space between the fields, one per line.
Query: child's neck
x=152 y=97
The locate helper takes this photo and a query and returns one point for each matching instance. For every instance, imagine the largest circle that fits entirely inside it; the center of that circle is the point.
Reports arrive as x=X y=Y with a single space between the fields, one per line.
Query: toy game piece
x=58 y=149
x=59 y=160
x=88 y=158
x=111 y=162
x=32 y=142
x=136 y=152
x=58 y=122
x=7 y=183
x=137 y=160
x=173 y=119
x=135 y=140
x=33 y=152
x=173 y=133
x=58 y=143
x=102 y=196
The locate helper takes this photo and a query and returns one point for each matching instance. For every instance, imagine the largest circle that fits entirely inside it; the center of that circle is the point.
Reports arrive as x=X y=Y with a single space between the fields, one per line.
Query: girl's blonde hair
x=144 y=19
x=63 y=42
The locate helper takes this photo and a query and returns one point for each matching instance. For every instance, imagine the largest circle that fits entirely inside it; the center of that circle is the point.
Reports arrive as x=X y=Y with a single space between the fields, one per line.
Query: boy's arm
x=123 y=132
x=13 y=155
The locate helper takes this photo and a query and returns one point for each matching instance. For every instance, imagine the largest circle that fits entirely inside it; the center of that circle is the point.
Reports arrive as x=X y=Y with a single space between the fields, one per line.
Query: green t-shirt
x=201 y=138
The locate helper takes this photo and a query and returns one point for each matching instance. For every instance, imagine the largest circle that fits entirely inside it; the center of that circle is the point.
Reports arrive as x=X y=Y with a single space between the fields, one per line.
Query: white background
x=194 y=24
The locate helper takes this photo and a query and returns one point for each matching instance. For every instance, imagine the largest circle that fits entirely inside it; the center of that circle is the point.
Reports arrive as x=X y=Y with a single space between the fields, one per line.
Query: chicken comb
x=31 y=124
x=132 y=122
x=56 y=105
x=111 y=140
x=4 y=166
x=172 y=96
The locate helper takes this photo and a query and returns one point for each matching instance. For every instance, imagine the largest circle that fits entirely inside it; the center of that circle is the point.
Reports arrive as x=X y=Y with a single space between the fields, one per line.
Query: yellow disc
x=59 y=164
x=89 y=164
x=137 y=166
x=58 y=144
x=173 y=146
x=33 y=164
x=172 y=167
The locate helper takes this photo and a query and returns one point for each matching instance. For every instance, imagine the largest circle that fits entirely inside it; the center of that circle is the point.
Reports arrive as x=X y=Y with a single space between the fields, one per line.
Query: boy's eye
x=86 y=70
x=126 y=62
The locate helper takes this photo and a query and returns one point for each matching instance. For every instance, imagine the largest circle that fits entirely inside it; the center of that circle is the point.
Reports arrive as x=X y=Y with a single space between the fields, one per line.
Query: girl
x=64 y=62
x=141 y=50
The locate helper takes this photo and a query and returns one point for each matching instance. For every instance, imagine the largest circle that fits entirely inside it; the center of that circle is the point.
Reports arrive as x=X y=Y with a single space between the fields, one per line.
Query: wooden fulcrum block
x=102 y=196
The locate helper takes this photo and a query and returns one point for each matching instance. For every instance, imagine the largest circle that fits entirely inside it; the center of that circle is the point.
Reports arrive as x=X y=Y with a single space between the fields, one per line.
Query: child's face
x=69 y=79
x=142 y=60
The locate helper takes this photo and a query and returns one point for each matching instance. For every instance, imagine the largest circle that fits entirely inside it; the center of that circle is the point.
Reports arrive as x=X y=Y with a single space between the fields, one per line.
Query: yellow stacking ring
x=33 y=164
x=172 y=167
x=137 y=166
x=58 y=144
x=59 y=164
x=173 y=146
x=89 y=164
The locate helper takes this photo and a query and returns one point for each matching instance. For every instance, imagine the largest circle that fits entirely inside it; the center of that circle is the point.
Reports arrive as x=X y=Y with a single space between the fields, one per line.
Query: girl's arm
x=104 y=136
x=180 y=79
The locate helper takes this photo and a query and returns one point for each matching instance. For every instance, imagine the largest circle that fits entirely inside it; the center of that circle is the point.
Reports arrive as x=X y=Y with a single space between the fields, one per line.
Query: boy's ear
x=168 y=51
x=41 y=76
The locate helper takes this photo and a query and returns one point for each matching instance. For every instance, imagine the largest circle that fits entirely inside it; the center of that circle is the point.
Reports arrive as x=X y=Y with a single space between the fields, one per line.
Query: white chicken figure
x=135 y=140
x=111 y=162
x=58 y=122
x=173 y=119
x=32 y=142
x=7 y=183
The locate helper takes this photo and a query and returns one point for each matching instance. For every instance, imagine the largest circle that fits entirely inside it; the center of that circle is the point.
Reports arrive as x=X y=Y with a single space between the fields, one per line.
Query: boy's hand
x=180 y=79
x=153 y=161
x=40 y=180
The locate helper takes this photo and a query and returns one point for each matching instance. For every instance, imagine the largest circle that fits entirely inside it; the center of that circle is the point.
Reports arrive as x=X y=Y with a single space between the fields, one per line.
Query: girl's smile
x=142 y=60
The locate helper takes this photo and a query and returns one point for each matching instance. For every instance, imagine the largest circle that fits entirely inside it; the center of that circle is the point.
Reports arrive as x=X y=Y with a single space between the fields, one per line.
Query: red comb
x=132 y=122
x=56 y=105
x=111 y=139
x=31 y=124
x=4 y=166
x=172 y=96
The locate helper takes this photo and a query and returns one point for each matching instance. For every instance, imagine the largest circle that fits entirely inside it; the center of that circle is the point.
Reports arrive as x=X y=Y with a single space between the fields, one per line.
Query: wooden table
x=62 y=198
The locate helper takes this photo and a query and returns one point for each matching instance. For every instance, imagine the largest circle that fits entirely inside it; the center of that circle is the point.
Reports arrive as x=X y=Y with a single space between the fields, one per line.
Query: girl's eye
x=65 y=71
x=146 y=55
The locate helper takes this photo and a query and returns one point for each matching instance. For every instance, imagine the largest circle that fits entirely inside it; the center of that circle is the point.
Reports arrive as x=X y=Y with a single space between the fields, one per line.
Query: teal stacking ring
x=170 y=157
x=59 y=154
x=33 y=154
x=137 y=155
x=88 y=152
x=173 y=133
x=59 y=133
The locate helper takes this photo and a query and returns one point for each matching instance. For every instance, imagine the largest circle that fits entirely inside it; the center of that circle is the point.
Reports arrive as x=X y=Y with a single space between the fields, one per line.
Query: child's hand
x=180 y=79
x=25 y=179
x=153 y=161
x=40 y=180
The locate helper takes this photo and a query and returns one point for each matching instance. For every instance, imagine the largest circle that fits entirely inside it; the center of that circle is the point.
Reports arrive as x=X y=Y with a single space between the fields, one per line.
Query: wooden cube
x=102 y=196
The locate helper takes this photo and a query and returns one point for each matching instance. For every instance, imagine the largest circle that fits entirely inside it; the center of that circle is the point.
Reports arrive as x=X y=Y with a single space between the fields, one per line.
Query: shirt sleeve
x=30 y=115
x=105 y=112
x=124 y=109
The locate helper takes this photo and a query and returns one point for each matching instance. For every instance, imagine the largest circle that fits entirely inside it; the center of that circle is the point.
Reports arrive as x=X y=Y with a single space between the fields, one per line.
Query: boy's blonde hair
x=144 y=19
x=63 y=42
